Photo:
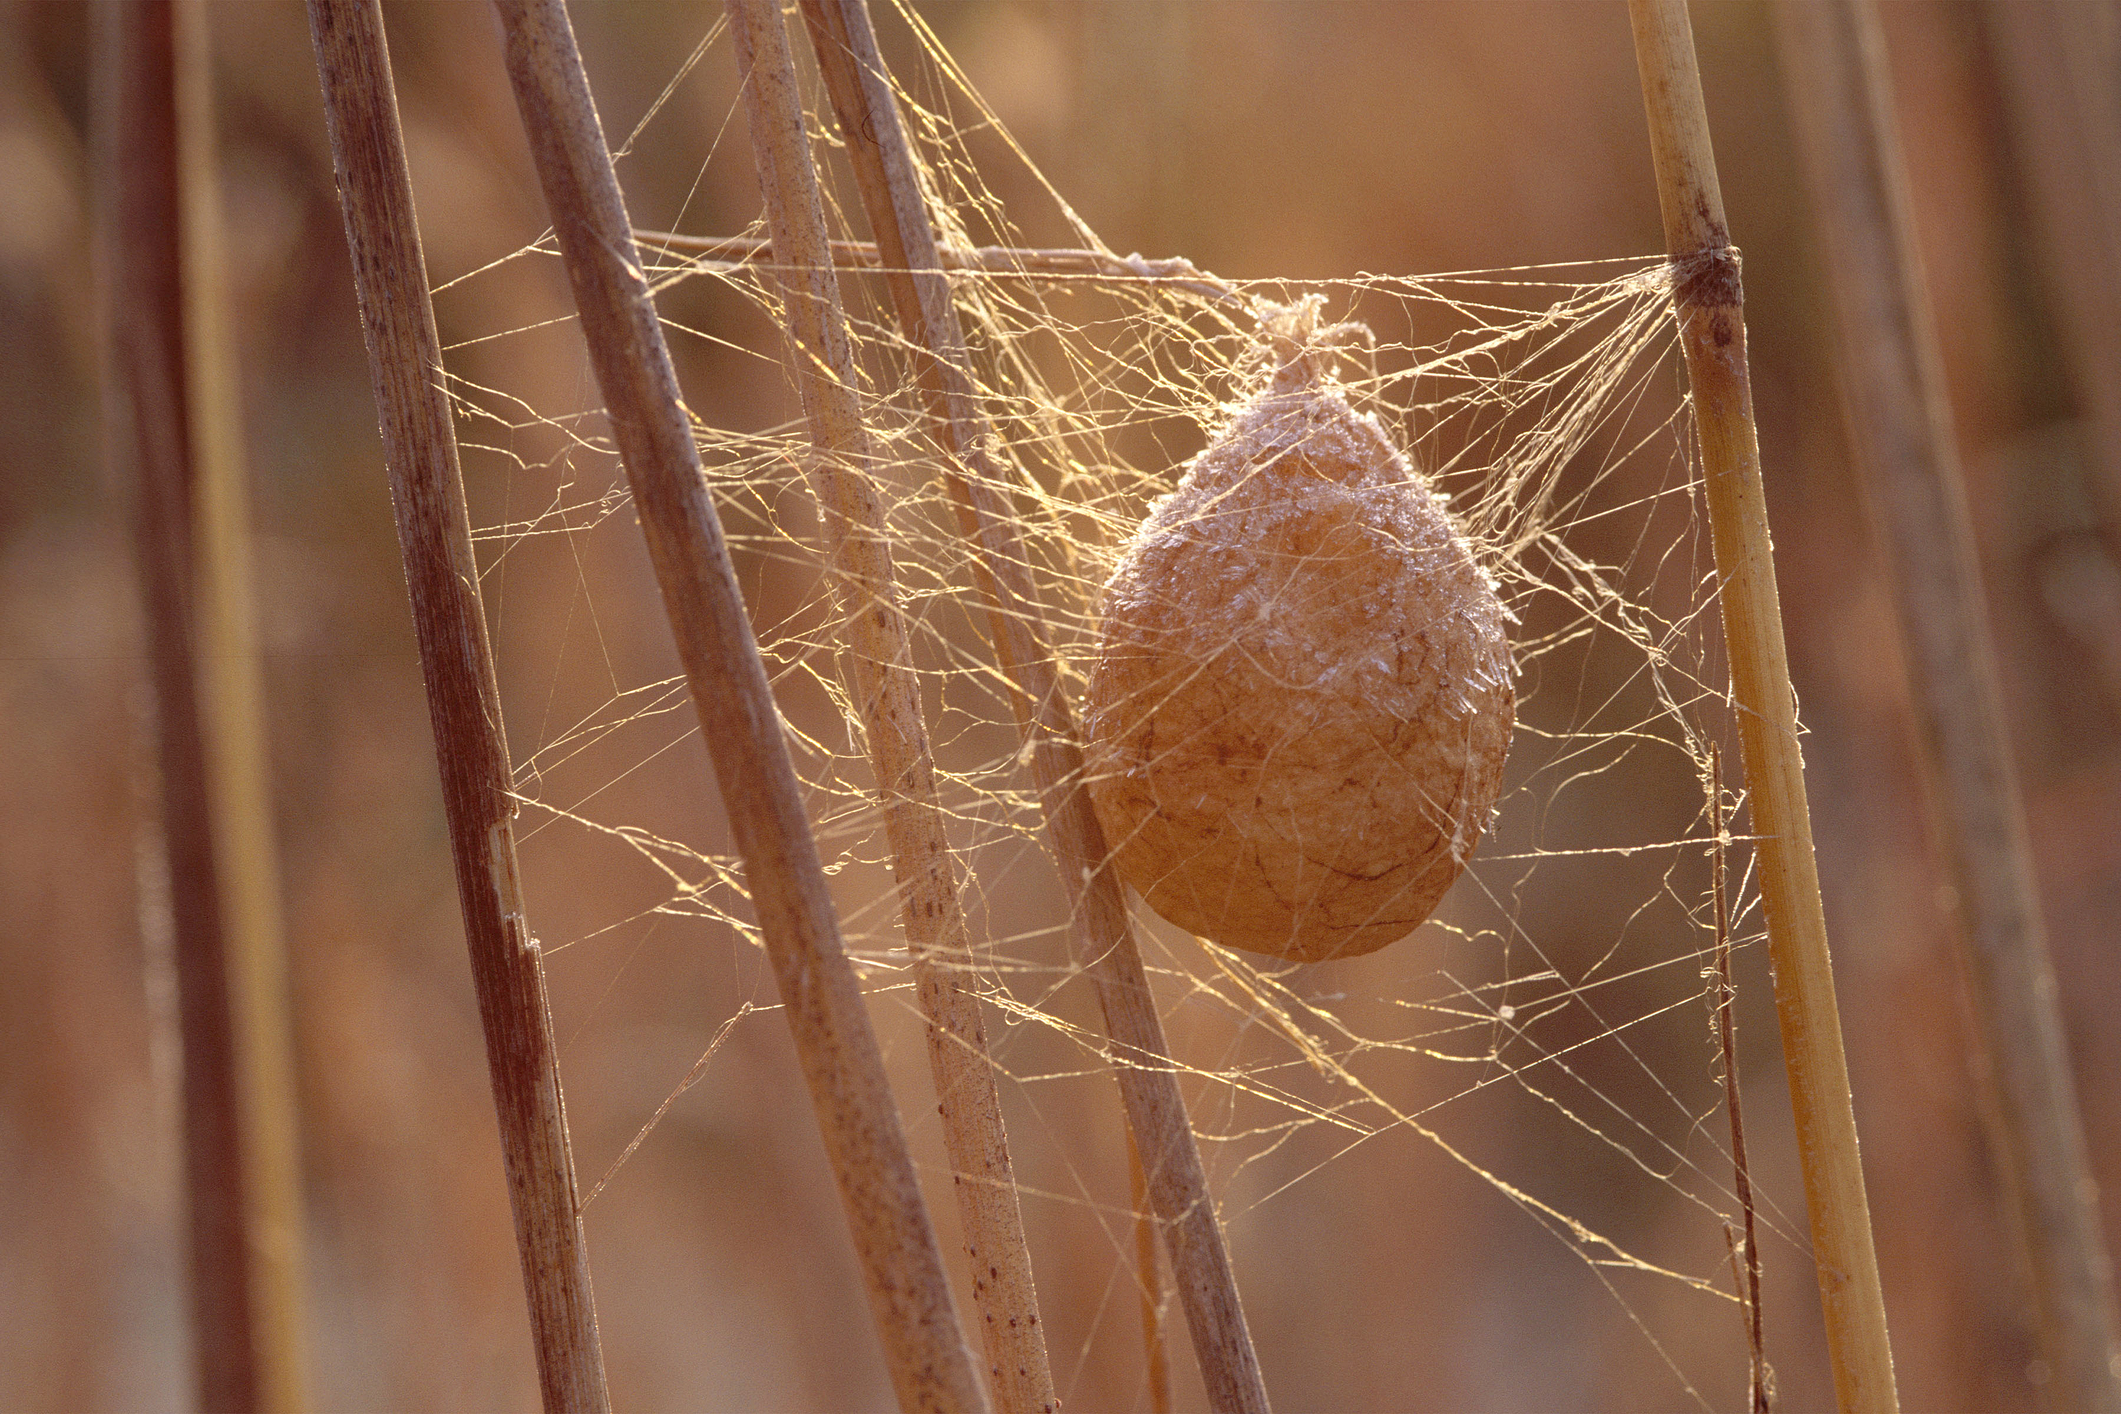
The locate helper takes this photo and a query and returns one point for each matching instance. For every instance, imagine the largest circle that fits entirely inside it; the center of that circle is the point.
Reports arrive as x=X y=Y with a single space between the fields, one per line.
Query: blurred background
x=1286 y=139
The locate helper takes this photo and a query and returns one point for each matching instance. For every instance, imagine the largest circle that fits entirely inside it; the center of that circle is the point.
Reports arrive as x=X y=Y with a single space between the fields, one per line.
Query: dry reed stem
x=835 y=1044
x=231 y=698
x=1727 y=1045
x=887 y=700
x=1710 y=304
x=1893 y=388
x=463 y=699
x=1024 y=262
x=1102 y=933
x=147 y=411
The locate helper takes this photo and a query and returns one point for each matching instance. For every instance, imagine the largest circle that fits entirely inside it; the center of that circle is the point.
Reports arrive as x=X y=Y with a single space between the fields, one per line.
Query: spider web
x=1517 y=1111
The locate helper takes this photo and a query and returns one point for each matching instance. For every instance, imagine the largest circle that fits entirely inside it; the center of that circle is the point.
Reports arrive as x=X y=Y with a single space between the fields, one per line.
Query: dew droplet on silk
x=1301 y=698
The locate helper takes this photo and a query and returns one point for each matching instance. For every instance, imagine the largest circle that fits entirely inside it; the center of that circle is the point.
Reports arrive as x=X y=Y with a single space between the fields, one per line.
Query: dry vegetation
x=724 y=1275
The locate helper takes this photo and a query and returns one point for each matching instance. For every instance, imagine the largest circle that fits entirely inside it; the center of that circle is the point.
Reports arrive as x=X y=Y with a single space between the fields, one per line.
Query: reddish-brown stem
x=149 y=411
x=1893 y=388
x=232 y=709
x=827 y=1016
x=1727 y=1044
x=1102 y=932
x=463 y=699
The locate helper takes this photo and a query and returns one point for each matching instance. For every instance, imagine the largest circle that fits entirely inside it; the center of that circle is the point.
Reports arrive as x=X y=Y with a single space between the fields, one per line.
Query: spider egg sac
x=1301 y=698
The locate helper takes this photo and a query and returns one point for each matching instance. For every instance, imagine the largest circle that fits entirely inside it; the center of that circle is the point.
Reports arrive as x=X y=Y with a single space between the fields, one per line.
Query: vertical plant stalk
x=232 y=695
x=463 y=698
x=887 y=700
x=1900 y=423
x=1101 y=931
x=149 y=408
x=902 y=1267
x=1727 y=1042
x=1711 y=312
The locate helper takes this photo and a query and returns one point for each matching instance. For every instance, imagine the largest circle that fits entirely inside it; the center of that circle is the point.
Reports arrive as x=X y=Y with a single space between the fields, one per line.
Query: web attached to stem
x=1545 y=1037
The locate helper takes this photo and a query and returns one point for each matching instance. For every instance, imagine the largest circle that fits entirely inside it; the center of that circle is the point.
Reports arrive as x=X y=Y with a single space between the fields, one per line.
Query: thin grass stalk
x=463 y=698
x=909 y=1293
x=231 y=695
x=1900 y=423
x=887 y=699
x=1710 y=304
x=1102 y=932
x=1748 y=1271
x=149 y=409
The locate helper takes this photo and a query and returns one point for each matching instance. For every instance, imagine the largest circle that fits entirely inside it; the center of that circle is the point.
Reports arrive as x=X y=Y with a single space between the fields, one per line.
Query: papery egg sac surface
x=1301 y=699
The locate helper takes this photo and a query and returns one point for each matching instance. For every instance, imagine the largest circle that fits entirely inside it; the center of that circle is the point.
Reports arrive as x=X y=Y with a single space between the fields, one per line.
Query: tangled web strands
x=1536 y=1058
